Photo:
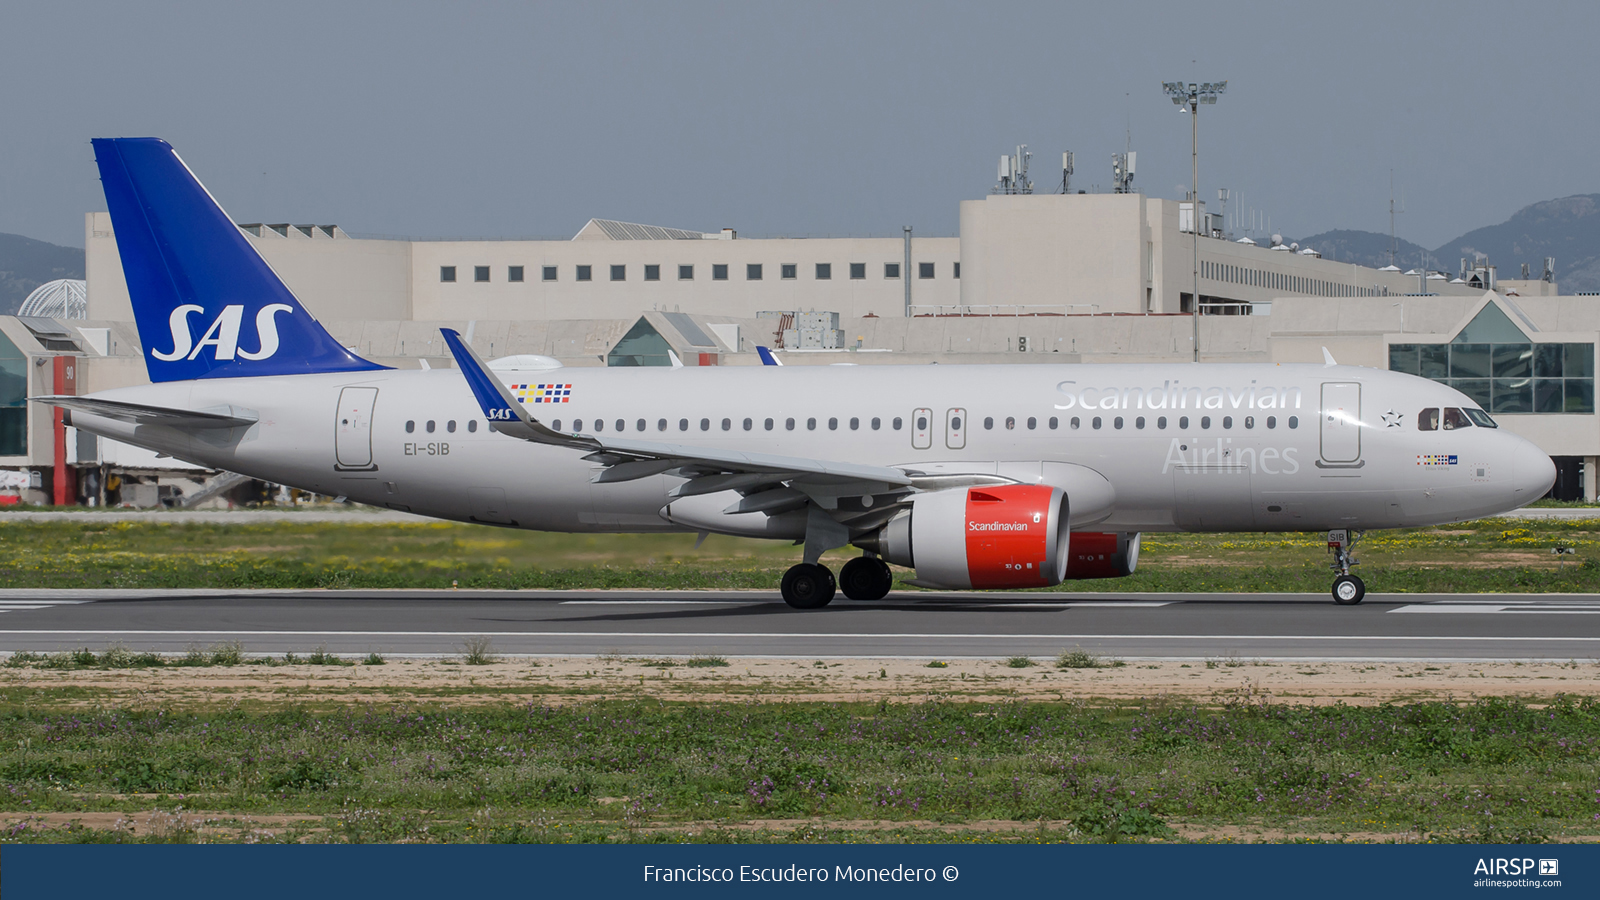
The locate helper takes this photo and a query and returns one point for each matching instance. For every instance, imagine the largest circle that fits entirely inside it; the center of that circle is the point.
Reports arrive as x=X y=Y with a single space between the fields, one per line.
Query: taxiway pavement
x=757 y=623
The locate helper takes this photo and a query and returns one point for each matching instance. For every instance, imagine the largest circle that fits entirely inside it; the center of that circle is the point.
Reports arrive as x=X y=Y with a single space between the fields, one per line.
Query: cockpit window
x=1481 y=418
x=1428 y=420
x=1455 y=418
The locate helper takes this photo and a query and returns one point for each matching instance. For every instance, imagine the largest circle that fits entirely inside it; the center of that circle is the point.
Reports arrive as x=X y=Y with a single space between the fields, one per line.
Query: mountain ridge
x=26 y=263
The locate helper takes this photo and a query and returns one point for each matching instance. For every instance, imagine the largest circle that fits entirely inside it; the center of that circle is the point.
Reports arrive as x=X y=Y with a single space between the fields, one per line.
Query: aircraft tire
x=866 y=578
x=1348 y=590
x=808 y=586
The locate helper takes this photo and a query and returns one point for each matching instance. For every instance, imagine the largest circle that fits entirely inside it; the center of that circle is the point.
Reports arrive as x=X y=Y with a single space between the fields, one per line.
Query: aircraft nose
x=1532 y=473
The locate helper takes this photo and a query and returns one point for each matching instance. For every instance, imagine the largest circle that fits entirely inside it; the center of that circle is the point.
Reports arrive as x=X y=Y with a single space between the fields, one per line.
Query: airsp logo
x=223 y=334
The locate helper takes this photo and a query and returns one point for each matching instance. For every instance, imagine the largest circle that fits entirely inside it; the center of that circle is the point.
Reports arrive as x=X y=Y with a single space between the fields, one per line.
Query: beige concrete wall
x=1077 y=250
x=333 y=278
x=568 y=298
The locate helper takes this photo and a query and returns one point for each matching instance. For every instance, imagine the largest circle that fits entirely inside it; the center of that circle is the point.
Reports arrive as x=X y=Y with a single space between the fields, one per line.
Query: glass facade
x=1522 y=377
x=13 y=399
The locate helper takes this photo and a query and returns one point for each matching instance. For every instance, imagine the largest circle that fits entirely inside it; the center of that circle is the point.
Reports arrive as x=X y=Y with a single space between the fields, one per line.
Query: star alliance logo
x=1392 y=419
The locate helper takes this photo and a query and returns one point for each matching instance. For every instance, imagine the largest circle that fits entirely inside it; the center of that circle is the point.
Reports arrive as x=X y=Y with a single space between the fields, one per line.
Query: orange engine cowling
x=1102 y=555
x=1003 y=536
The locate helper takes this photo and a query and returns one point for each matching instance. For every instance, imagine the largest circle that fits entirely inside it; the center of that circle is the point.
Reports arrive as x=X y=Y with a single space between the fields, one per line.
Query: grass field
x=1490 y=771
x=1489 y=555
x=80 y=763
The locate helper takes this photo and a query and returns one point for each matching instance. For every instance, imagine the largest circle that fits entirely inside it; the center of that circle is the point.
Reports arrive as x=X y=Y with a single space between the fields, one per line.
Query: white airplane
x=975 y=476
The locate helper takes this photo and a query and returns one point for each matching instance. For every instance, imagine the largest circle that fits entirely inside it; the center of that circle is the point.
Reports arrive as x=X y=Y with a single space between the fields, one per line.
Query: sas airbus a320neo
x=975 y=476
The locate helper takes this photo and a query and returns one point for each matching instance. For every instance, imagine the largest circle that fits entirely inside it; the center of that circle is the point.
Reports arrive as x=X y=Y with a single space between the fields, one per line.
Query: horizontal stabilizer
x=144 y=414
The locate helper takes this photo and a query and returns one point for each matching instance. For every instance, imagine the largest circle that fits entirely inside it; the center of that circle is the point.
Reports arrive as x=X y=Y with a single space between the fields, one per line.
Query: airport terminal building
x=1031 y=278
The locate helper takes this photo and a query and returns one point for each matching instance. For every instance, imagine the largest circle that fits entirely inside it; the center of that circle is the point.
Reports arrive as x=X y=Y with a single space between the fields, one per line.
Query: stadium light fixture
x=1188 y=97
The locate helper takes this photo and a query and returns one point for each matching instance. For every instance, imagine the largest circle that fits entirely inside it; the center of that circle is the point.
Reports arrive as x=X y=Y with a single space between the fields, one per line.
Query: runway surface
x=757 y=623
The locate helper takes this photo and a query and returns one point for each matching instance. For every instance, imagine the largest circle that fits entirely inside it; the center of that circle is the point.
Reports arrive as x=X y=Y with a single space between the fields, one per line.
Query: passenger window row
x=854 y=423
x=449 y=427
x=1183 y=422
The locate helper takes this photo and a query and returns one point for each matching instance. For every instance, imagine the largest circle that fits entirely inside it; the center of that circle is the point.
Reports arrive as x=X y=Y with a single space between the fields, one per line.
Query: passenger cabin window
x=472 y=426
x=1455 y=418
x=896 y=423
x=1428 y=420
x=429 y=426
x=661 y=424
x=450 y=426
x=411 y=426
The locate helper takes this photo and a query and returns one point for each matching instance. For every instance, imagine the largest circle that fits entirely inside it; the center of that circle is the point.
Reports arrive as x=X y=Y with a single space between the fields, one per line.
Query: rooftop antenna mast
x=1066 y=171
x=1394 y=244
x=1014 y=173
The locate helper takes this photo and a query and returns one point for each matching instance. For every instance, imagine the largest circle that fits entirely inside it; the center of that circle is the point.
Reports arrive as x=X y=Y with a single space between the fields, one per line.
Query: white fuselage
x=1185 y=447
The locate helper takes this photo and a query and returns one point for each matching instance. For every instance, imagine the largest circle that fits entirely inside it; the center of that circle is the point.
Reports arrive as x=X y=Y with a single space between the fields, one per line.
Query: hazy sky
x=526 y=119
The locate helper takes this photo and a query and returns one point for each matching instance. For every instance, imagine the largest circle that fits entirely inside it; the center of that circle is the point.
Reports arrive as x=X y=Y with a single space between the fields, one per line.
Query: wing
x=144 y=414
x=767 y=482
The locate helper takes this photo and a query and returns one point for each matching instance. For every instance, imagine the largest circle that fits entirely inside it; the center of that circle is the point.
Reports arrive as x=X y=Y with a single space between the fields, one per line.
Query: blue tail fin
x=206 y=303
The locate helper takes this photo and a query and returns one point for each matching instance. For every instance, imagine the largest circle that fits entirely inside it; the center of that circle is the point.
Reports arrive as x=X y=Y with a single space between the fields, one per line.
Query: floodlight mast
x=1188 y=98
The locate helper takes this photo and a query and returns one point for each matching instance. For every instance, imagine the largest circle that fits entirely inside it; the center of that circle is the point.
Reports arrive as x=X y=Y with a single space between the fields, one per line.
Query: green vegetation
x=1491 y=771
x=1079 y=658
x=1490 y=555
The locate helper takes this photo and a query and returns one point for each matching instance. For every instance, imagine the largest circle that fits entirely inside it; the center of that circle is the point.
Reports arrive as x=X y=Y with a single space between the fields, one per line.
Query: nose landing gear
x=1348 y=590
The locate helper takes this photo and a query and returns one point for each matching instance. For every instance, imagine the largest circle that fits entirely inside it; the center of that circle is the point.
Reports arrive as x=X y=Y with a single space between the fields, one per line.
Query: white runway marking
x=9 y=605
x=1012 y=605
x=1504 y=607
x=787 y=634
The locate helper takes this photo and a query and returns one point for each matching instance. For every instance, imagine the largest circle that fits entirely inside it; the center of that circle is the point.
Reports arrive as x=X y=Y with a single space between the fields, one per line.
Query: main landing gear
x=812 y=586
x=808 y=586
x=1348 y=590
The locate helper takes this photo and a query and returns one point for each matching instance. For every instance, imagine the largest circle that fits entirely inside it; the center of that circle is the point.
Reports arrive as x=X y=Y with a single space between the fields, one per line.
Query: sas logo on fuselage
x=223 y=333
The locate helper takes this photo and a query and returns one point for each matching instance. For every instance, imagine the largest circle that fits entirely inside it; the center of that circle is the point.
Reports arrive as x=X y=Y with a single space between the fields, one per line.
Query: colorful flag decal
x=1436 y=459
x=542 y=393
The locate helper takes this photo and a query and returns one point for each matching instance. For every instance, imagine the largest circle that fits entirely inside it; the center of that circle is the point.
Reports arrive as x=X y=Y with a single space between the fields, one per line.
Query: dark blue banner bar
x=638 y=871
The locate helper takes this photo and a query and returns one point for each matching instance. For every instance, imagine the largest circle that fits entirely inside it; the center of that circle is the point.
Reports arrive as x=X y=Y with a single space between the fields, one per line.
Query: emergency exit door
x=1341 y=422
x=352 y=440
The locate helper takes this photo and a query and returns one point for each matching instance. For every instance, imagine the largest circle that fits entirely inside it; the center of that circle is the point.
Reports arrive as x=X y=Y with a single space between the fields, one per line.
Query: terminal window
x=752 y=272
x=584 y=273
x=924 y=270
x=447 y=273
x=858 y=270
x=1507 y=377
x=513 y=273
x=686 y=273
x=891 y=270
x=957 y=271
x=480 y=273
x=13 y=399
x=619 y=273
x=789 y=271
x=549 y=273
x=824 y=271
x=652 y=273
x=719 y=272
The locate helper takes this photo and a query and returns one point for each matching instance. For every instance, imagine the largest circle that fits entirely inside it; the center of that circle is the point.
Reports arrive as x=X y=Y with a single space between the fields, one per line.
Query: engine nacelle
x=1004 y=536
x=1102 y=555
